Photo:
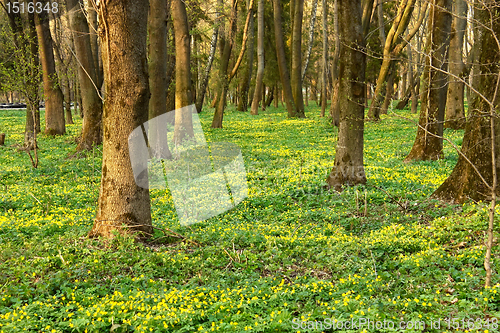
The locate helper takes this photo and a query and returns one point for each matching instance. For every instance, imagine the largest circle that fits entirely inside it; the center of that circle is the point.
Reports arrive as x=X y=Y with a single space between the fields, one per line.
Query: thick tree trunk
x=428 y=144
x=123 y=206
x=465 y=183
x=157 y=31
x=260 y=59
x=91 y=101
x=183 y=89
x=455 y=110
x=296 y=74
x=54 y=112
x=282 y=62
x=348 y=167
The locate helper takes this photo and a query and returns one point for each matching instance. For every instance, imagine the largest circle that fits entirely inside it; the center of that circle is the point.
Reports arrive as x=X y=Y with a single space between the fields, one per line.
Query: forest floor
x=292 y=257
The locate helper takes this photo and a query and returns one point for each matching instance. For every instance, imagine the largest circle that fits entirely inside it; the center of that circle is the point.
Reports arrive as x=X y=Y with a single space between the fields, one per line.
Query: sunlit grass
x=290 y=250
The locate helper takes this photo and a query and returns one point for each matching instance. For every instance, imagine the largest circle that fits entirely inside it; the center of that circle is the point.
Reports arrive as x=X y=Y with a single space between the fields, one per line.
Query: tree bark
x=348 y=166
x=324 y=82
x=157 y=31
x=246 y=78
x=54 y=112
x=428 y=144
x=334 y=107
x=296 y=74
x=312 y=24
x=282 y=61
x=455 y=110
x=464 y=183
x=91 y=101
x=123 y=206
x=183 y=129
x=260 y=59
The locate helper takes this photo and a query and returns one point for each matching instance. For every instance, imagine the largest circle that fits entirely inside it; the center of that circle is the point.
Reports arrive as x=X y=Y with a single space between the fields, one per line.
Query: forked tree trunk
x=348 y=167
x=54 y=112
x=428 y=144
x=157 y=31
x=91 y=101
x=123 y=206
x=260 y=59
x=183 y=89
x=455 y=110
x=464 y=182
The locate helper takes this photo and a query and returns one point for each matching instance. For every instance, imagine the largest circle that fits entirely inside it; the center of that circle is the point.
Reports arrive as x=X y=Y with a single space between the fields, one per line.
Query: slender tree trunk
x=428 y=144
x=246 y=78
x=296 y=74
x=325 y=59
x=455 y=110
x=282 y=62
x=94 y=42
x=183 y=89
x=54 y=112
x=157 y=31
x=91 y=101
x=312 y=24
x=260 y=59
x=348 y=166
x=334 y=107
x=123 y=206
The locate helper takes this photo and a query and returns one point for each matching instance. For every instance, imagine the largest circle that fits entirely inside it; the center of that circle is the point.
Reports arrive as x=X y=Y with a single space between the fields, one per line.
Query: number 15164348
x=20 y=7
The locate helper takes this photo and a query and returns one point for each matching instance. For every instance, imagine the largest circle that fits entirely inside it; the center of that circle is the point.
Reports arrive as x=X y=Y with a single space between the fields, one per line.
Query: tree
x=455 y=110
x=123 y=206
x=476 y=172
x=430 y=147
x=348 y=166
x=211 y=55
x=312 y=24
x=282 y=62
x=183 y=87
x=157 y=31
x=87 y=73
x=25 y=75
x=260 y=59
x=324 y=79
x=246 y=78
x=54 y=112
x=296 y=72
x=392 y=47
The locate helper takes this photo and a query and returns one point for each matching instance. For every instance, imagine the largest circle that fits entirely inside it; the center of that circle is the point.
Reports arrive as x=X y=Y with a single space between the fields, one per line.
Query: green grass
x=290 y=250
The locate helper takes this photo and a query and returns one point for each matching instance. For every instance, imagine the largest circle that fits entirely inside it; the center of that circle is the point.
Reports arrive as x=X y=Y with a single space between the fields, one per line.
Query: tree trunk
x=91 y=101
x=334 y=107
x=183 y=89
x=464 y=183
x=54 y=113
x=260 y=59
x=94 y=42
x=348 y=167
x=455 y=110
x=247 y=74
x=429 y=143
x=325 y=59
x=226 y=48
x=157 y=31
x=123 y=206
x=393 y=46
x=296 y=74
x=312 y=24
